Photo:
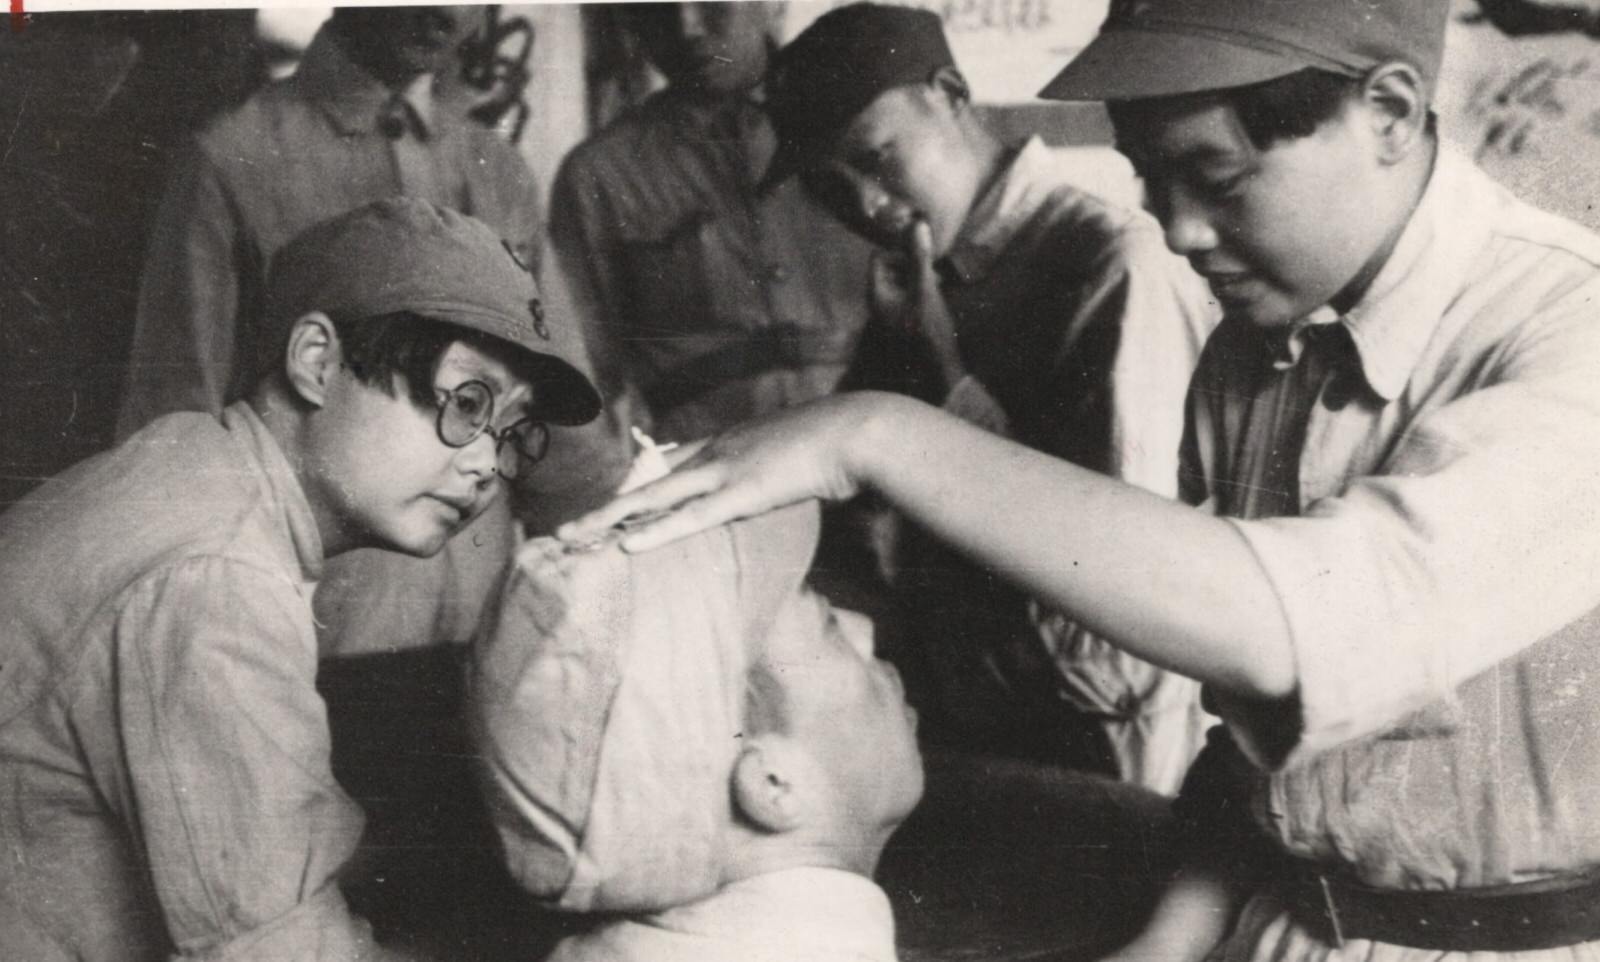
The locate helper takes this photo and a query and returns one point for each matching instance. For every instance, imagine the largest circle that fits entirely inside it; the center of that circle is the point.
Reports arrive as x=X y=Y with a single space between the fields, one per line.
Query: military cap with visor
x=409 y=255
x=1163 y=48
x=824 y=78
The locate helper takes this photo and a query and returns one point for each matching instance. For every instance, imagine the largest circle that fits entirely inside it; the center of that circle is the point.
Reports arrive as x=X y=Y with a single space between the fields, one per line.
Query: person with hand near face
x=1023 y=304
x=696 y=748
x=704 y=300
x=164 y=749
x=1392 y=437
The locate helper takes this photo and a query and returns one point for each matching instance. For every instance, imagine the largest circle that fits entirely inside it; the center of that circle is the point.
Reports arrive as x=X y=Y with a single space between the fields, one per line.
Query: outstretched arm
x=1172 y=585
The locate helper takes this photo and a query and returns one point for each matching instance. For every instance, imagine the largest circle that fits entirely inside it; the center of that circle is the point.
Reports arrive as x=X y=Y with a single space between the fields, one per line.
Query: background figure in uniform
x=695 y=744
x=1392 y=590
x=704 y=301
x=1019 y=302
x=357 y=122
x=164 y=753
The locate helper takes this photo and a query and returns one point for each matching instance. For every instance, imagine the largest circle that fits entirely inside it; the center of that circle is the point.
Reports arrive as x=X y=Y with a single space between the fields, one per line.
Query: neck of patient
x=754 y=851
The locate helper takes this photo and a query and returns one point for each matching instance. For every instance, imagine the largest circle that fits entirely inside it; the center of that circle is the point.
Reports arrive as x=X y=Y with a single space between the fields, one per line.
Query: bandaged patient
x=692 y=740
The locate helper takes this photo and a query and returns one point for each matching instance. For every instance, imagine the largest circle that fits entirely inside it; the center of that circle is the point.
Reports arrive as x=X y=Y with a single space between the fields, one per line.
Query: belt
x=762 y=349
x=1544 y=914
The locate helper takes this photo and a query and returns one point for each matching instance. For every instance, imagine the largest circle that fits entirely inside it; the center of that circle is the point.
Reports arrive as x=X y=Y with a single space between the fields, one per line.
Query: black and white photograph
x=814 y=481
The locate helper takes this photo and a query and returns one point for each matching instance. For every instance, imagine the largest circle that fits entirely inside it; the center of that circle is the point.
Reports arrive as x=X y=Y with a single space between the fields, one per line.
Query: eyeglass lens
x=466 y=413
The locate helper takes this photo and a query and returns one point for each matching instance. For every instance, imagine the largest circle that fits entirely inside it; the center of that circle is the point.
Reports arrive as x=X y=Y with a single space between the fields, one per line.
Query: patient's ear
x=771 y=783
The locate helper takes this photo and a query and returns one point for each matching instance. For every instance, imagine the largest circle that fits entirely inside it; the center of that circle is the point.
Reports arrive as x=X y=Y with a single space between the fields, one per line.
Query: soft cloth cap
x=404 y=254
x=838 y=66
x=608 y=701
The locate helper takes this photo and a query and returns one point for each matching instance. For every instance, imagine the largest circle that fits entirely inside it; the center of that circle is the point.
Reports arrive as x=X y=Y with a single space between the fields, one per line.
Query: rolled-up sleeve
x=226 y=753
x=1480 y=537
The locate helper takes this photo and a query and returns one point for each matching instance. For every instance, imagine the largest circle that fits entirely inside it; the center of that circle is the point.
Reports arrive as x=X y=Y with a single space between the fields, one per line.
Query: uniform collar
x=281 y=486
x=838 y=912
x=1005 y=206
x=1395 y=319
x=351 y=98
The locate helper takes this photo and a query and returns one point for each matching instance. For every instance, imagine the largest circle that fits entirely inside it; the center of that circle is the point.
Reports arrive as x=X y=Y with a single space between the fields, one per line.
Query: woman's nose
x=480 y=458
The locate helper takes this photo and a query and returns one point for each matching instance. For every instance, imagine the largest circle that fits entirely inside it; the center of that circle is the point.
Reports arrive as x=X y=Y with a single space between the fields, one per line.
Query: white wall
x=556 y=93
x=1528 y=109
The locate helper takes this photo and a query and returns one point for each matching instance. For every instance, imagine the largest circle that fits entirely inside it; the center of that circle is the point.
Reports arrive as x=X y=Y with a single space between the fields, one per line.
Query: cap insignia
x=536 y=308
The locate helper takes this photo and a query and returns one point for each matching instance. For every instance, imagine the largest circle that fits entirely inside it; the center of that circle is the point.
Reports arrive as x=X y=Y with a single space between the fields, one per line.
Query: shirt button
x=776 y=273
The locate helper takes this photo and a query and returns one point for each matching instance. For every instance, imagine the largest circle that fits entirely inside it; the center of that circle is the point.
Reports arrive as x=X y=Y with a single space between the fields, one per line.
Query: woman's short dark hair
x=407 y=347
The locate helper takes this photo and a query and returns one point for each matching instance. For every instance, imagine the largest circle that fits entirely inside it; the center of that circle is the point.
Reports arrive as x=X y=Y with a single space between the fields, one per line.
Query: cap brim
x=1141 y=64
x=565 y=396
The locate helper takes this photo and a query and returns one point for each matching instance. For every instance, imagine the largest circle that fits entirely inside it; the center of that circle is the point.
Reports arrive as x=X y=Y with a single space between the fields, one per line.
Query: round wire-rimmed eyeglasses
x=466 y=412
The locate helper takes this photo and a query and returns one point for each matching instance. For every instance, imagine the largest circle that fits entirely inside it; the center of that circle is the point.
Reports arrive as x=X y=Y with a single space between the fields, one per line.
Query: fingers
x=695 y=503
x=884 y=285
x=890 y=284
x=921 y=245
x=686 y=452
x=691 y=517
x=921 y=250
x=892 y=269
x=662 y=495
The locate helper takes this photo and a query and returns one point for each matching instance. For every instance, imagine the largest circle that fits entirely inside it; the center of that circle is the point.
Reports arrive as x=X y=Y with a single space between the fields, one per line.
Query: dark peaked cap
x=1163 y=48
x=836 y=67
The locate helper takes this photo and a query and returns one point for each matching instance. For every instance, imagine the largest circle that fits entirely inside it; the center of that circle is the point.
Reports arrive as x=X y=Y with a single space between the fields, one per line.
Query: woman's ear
x=769 y=784
x=1395 y=97
x=311 y=357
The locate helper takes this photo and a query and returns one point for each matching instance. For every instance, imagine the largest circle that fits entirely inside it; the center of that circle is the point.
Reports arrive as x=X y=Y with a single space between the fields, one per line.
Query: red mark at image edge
x=19 y=16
